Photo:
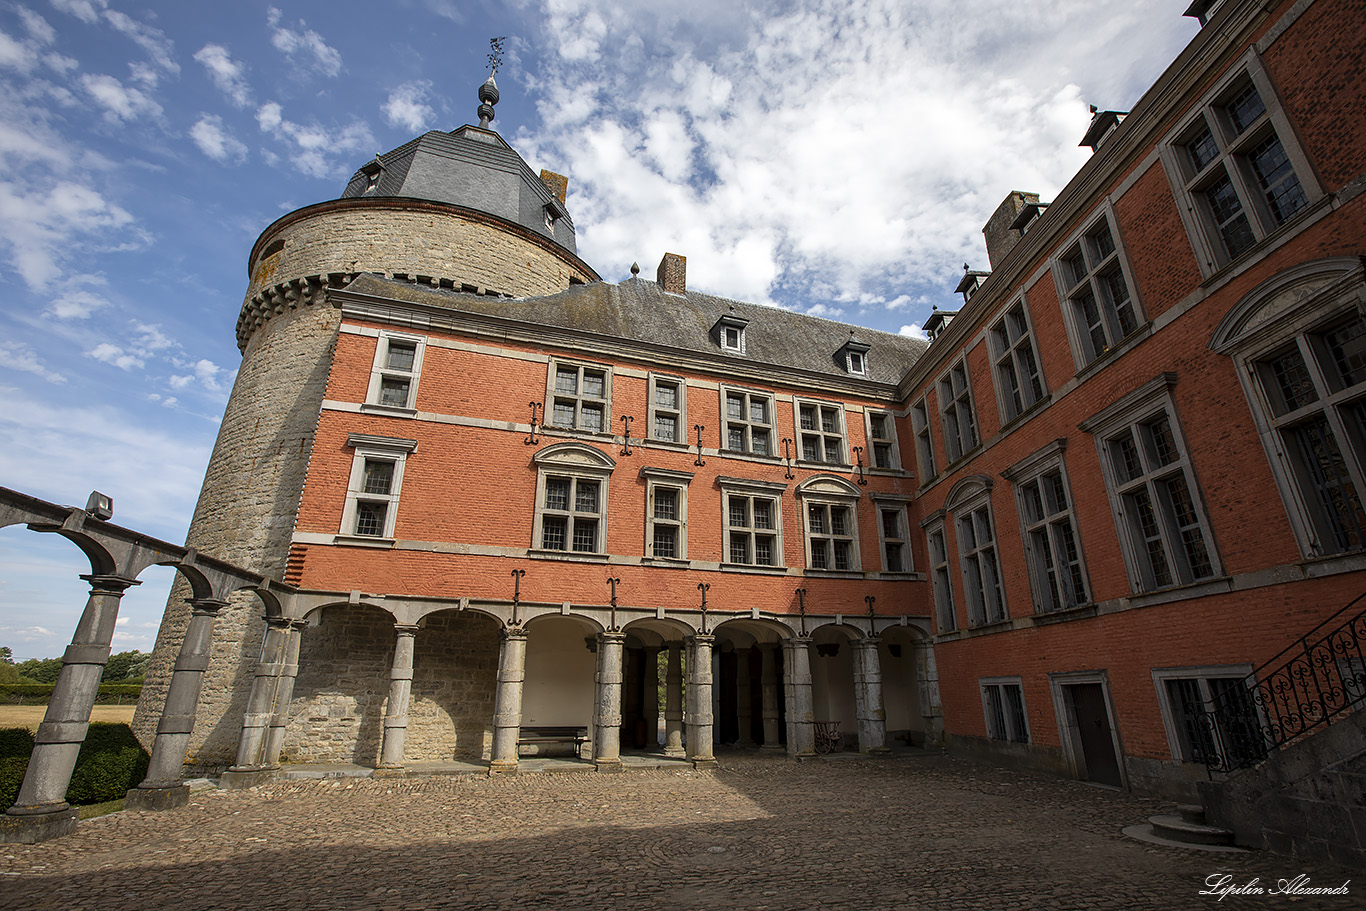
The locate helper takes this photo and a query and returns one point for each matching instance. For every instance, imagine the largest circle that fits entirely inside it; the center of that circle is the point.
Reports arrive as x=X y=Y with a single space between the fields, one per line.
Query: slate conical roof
x=470 y=167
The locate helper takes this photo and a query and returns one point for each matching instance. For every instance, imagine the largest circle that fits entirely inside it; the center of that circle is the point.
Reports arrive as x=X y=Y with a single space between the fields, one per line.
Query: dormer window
x=730 y=333
x=549 y=219
x=853 y=356
x=372 y=171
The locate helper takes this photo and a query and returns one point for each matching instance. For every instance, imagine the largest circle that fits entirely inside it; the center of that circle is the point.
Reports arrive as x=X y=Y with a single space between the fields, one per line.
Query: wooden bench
x=537 y=739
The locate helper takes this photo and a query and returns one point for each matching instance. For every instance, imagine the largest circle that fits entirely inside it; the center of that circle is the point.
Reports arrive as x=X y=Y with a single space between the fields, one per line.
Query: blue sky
x=837 y=158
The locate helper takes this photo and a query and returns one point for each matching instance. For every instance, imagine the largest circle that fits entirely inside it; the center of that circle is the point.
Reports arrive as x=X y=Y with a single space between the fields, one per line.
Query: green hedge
x=39 y=693
x=110 y=762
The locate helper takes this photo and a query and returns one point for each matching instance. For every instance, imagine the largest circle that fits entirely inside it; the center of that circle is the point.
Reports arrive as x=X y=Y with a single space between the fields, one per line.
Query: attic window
x=372 y=171
x=730 y=333
x=549 y=218
x=853 y=356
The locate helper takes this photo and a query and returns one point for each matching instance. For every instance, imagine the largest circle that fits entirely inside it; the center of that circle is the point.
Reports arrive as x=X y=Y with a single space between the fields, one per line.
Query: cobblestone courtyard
x=923 y=831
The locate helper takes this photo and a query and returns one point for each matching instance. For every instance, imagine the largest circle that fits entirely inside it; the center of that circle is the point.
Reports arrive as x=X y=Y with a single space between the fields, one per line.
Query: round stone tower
x=457 y=210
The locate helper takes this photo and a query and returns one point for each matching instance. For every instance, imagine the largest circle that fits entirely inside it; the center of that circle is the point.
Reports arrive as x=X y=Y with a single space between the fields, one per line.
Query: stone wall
x=455 y=669
x=337 y=714
x=1307 y=800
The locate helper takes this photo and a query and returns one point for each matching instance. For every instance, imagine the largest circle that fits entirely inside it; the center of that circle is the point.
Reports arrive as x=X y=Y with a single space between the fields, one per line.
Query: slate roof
x=640 y=310
x=469 y=167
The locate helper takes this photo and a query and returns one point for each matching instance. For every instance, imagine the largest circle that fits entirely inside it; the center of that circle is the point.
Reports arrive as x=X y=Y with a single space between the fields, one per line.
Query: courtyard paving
x=761 y=834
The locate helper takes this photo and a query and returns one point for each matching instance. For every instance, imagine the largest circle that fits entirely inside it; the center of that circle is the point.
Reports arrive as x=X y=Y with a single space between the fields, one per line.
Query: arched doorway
x=455 y=665
x=558 y=691
x=749 y=665
x=910 y=688
x=832 y=680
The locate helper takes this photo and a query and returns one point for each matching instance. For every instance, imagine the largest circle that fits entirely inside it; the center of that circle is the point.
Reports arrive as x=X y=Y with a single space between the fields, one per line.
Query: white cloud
x=17 y=356
x=325 y=59
x=407 y=107
x=120 y=102
x=214 y=141
x=914 y=330
x=318 y=151
x=88 y=11
x=15 y=54
x=46 y=229
x=76 y=305
x=845 y=153
x=208 y=374
x=227 y=75
x=38 y=27
x=115 y=356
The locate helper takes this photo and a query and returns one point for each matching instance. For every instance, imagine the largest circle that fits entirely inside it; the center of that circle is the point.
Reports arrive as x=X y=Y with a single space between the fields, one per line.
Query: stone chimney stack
x=557 y=183
x=1001 y=238
x=673 y=273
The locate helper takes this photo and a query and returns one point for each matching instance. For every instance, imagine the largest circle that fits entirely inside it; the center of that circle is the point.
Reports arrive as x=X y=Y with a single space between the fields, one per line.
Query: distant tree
x=40 y=670
x=8 y=672
x=126 y=666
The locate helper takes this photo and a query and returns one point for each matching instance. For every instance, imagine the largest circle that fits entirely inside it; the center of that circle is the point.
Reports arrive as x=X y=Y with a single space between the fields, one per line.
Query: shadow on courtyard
x=890 y=835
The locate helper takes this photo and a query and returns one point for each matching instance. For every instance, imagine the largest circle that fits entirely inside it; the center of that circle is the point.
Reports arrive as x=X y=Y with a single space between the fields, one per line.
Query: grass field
x=28 y=716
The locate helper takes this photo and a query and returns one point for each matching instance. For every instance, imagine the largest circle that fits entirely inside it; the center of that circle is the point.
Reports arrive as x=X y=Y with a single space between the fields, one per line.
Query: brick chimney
x=1001 y=238
x=673 y=273
x=558 y=184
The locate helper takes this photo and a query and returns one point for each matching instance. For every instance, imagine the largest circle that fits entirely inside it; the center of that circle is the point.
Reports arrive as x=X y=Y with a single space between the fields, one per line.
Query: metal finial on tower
x=488 y=92
x=635 y=269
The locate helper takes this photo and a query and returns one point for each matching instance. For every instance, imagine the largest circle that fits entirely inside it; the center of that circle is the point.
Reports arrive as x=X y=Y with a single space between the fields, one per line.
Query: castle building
x=1070 y=533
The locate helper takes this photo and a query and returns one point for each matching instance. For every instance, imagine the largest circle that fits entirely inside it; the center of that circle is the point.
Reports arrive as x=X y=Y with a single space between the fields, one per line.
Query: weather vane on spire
x=496 y=52
x=488 y=92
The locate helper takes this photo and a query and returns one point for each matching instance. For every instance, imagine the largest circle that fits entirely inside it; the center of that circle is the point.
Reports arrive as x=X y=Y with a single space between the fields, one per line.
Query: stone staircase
x=1184 y=829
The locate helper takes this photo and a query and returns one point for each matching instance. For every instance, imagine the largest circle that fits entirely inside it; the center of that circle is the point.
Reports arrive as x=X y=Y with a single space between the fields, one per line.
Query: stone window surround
x=884 y=502
x=1077 y=335
x=966 y=499
x=893 y=449
x=1129 y=411
x=553 y=367
x=1046 y=460
x=940 y=572
x=1211 y=254
x=1010 y=356
x=924 y=441
x=963 y=440
x=751 y=490
x=368 y=447
x=678 y=481
x=749 y=395
x=1203 y=673
x=1009 y=732
x=830 y=492
x=730 y=333
x=1272 y=316
x=575 y=461
x=654 y=410
x=841 y=424
x=380 y=369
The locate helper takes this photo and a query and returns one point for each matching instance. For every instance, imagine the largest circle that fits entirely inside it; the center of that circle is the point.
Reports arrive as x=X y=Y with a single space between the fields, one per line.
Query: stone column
x=700 y=700
x=673 y=704
x=744 y=704
x=715 y=696
x=164 y=788
x=284 y=695
x=650 y=697
x=41 y=811
x=507 y=711
x=768 y=670
x=607 y=739
x=400 y=695
x=260 y=707
x=801 y=716
x=872 y=720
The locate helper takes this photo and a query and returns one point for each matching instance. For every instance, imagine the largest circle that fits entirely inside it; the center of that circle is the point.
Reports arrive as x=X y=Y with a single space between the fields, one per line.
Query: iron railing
x=1317 y=679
